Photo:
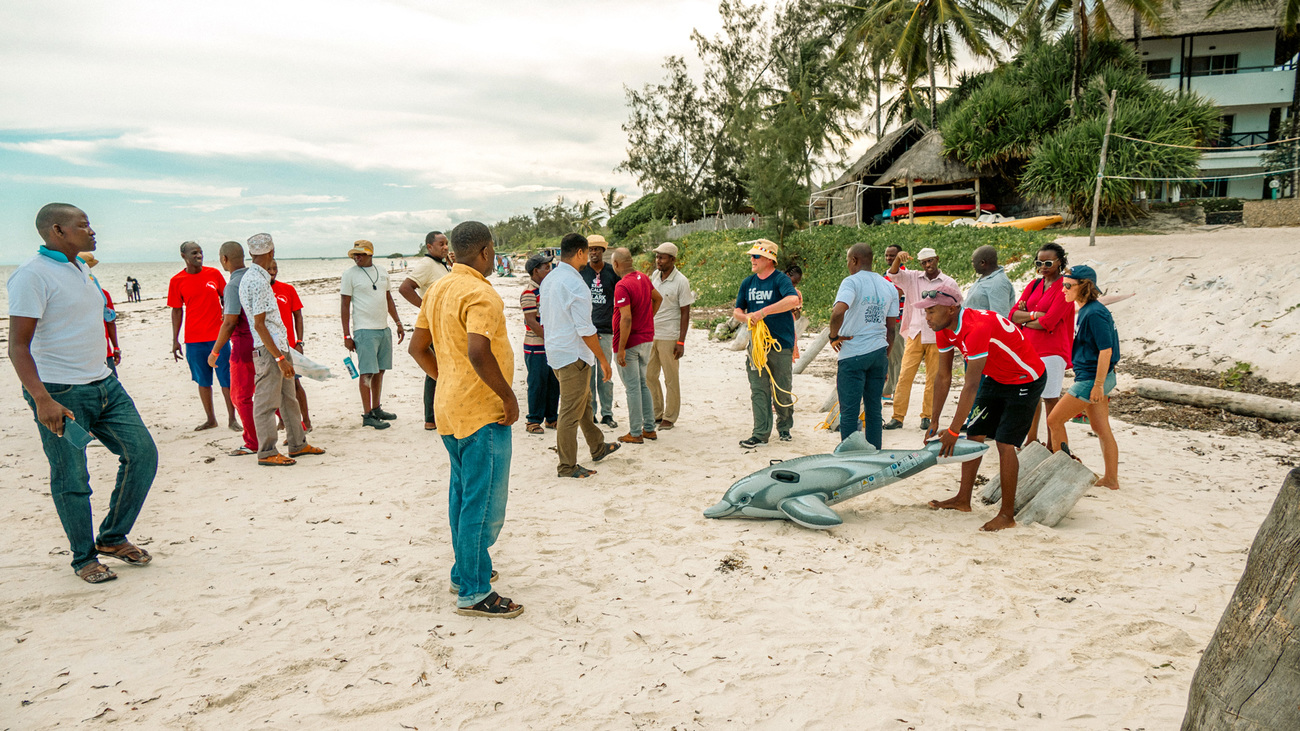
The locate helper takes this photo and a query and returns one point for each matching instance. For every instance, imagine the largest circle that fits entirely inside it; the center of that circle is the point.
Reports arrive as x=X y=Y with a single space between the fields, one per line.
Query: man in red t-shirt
x=635 y=304
x=286 y=299
x=1004 y=380
x=194 y=295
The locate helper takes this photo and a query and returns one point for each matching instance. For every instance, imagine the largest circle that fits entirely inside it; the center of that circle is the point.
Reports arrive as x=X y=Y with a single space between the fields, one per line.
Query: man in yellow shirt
x=460 y=341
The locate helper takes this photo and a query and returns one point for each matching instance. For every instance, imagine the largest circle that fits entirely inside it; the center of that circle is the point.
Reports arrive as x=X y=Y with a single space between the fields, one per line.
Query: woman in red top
x=1047 y=321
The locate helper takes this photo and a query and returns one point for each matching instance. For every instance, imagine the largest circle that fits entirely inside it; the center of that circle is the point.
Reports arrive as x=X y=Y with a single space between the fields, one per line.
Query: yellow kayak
x=932 y=220
x=1036 y=223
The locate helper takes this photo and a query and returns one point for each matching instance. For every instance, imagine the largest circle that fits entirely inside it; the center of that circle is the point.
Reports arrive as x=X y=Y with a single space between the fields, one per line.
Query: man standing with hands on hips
x=672 y=320
x=365 y=309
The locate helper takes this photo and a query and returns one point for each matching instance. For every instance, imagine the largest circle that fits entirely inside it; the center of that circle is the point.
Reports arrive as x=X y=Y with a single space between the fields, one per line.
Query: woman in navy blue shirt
x=1095 y=353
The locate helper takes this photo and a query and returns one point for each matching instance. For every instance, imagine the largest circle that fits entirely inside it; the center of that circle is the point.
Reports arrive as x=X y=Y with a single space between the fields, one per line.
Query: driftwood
x=741 y=342
x=1030 y=456
x=831 y=400
x=1247 y=404
x=1249 y=676
x=725 y=329
x=812 y=350
x=1056 y=468
x=1063 y=482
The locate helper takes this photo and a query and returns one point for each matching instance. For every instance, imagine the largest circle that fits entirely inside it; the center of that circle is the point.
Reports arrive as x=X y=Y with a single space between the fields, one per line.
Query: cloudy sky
x=320 y=122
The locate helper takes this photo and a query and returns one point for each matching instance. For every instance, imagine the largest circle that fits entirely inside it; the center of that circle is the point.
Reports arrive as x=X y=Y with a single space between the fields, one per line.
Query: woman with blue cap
x=1095 y=353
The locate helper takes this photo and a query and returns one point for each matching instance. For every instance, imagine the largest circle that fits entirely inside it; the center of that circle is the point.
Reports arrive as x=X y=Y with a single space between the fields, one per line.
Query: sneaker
x=373 y=421
x=385 y=415
x=925 y=424
x=893 y=424
x=785 y=436
x=609 y=422
x=752 y=442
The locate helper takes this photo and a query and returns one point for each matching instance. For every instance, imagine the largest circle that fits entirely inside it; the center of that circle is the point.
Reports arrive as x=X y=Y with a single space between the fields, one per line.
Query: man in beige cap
x=601 y=279
x=366 y=306
x=769 y=296
x=920 y=338
x=672 y=320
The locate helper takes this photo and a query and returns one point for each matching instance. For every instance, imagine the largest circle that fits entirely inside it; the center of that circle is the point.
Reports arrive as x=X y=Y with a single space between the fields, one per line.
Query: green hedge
x=716 y=265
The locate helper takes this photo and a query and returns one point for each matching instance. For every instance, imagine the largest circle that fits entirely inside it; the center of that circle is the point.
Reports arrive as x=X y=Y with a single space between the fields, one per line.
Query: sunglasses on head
x=931 y=294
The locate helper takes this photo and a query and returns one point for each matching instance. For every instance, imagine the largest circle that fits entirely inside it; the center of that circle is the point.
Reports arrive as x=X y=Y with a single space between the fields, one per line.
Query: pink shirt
x=1057 y=335
x=913 y=282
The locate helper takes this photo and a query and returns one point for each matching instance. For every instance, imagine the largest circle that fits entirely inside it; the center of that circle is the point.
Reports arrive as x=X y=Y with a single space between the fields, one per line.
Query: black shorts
x=1004 y=412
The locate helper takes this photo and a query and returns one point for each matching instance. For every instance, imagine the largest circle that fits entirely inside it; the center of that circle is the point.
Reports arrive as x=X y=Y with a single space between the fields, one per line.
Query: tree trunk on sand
x=1246 y=404
x=1249 y=676
x=1029 y=456
x=1064 y=483
x=1060 y=466
x=812 y=350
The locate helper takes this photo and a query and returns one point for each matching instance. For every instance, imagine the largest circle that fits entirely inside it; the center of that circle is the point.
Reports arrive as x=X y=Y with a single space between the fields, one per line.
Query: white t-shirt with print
x=368 y=288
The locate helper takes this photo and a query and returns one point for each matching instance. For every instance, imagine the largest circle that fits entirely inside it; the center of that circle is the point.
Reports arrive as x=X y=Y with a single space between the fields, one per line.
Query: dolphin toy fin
x=856 y=443
x=810 y=511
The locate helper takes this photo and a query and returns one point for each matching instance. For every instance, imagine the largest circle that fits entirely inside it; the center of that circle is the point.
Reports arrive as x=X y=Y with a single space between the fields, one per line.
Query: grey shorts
x=374 y=350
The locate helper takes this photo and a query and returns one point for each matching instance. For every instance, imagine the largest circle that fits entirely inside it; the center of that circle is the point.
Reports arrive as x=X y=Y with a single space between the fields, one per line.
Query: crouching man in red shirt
x=1004 y=380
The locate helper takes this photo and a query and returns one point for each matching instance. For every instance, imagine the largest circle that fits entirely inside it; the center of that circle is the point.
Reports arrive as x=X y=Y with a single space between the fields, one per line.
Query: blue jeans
x=640 y=407
x=602 y=388
x=859 y=382
x=476 y=506
x=104 y=409
x=543 y=390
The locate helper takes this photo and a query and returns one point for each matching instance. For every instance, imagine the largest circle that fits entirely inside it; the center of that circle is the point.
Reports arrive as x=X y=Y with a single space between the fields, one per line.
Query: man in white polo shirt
x=56 y=331
x=672 y=320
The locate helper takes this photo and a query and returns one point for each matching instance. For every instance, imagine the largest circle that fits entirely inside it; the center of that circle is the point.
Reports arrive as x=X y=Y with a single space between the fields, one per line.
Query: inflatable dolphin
x=802 y=489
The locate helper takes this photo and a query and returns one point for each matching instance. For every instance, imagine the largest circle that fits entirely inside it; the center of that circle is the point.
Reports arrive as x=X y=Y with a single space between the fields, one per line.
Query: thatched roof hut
x=886 y=148
x=1190 y=19
x=850 y=199
x=925 y=164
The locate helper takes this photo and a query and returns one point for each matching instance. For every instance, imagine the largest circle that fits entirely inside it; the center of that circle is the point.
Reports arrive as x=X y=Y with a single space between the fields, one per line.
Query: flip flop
x=127 y=552
x=95 y=573
x=494 y=605
x=241 y=452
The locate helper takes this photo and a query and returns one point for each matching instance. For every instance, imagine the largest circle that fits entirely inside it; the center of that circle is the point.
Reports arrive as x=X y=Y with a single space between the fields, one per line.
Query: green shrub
x=642 y=210
x=1214 y=205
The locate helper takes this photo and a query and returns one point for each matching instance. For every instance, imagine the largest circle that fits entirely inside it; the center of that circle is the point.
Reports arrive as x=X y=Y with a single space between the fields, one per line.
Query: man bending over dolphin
x=1004 y=379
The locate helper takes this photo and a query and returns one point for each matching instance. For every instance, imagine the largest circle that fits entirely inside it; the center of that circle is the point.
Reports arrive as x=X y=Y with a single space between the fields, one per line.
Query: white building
x=1237 y=60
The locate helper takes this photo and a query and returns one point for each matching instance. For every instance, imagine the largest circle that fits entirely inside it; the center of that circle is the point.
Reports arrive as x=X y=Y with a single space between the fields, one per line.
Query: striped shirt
x=528 y=301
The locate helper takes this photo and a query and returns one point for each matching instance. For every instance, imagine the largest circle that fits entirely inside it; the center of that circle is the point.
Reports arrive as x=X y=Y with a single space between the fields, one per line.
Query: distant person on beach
x=672 y=322
x=56 y=330
x=635 y=305
x=864 y=320
x=573 y=349
x=460 y=339
x=431 y=267
x=768 y=295
x=194 y=296
x=543 y=386
x=236 y=331
x=114 y=358
x=367 y=304
x=992 y=291
x=900 y=342
x=1095 y=353
x=135 y=288
x=600 y=280
x=274 y=389
x=129 y=297
x=286 y=298
x=1004 y=379
x=920 y=338
x=1048 y=323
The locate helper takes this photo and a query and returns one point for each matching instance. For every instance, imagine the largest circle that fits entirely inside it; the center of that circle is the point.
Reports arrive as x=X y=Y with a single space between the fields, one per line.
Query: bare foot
x=951 y=503
x=999 y=522
x=206 y=425
x=1109 y=484
x=234 y=426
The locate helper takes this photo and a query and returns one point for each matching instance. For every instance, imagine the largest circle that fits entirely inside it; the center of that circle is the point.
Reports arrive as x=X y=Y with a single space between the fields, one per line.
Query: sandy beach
x=317 y=596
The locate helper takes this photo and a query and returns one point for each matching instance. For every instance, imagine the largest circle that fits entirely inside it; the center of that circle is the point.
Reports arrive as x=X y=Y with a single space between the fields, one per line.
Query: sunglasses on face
x=1067 y=285
x=755 y=256
x=1044 y=262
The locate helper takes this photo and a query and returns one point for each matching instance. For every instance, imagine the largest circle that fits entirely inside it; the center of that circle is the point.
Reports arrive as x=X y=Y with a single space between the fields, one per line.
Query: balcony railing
x=1241 y=139
x=1288 y=66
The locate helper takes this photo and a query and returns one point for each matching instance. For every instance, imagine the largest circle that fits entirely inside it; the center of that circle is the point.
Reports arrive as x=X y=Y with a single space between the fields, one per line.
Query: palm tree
x=612 y=201
x=587 y=217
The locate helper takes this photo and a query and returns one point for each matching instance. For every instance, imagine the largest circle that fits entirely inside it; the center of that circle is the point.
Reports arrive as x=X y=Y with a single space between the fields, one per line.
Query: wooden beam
x=1246 y=404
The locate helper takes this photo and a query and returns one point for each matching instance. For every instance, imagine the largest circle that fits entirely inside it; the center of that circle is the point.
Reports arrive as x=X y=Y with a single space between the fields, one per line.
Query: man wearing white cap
x=769 y=296
x=672 y=320
x=920 y=338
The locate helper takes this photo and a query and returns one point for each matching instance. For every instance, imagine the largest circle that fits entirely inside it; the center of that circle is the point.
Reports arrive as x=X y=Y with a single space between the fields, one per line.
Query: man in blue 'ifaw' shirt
x=768 y=295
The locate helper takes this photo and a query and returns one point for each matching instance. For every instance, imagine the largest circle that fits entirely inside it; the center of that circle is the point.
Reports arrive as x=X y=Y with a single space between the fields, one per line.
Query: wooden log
x=1065 y=481
x=831 y=399
x=812 y=350
x=1249 y=675
x=1030 y=457
x=1246 y=404
x=1028 y=485
x=725 y=329
x=742 y=339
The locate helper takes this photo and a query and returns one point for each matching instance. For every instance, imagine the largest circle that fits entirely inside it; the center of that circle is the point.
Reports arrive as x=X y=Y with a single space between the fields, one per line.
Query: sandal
x=605 y=450
x=95 y=573
x=580 y=472
x=551 y=424
x=242 y=452
x=535 y=429
x=307 y=449
x=494 y=605
x=277 y=460
x=127 y=552
x=451 y=585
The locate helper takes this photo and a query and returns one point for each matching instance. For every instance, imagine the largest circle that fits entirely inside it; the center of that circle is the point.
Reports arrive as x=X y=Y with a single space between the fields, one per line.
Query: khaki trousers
x=661 y=359
x=575 y=413
x=272 y=391
x=912 y=355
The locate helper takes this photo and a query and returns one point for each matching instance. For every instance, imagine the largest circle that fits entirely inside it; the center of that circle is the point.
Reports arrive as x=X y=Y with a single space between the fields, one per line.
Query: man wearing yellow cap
x=769 y=296
x=366 y=306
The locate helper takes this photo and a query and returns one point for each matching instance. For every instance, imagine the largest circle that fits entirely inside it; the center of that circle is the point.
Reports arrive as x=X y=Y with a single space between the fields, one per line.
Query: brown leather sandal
x=126 y=551
x=277 y=460
x=95 y=573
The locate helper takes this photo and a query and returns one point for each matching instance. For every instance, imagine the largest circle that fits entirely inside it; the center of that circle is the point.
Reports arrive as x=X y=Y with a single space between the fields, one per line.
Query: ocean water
x=155 y=275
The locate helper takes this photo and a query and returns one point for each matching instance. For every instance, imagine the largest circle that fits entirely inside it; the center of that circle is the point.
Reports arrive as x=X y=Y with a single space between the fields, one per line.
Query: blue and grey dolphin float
x=804 y=488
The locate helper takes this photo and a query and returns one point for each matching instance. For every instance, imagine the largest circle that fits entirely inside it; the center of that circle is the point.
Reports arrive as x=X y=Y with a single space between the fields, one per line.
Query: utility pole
x=1101 y=168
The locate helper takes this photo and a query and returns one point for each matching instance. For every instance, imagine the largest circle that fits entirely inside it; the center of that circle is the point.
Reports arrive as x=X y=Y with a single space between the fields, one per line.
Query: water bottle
x=352 y=369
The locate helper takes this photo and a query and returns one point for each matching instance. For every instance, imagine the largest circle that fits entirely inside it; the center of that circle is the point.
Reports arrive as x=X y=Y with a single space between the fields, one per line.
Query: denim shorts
x=196 y=355
x=374 y=350
x=1082 y=390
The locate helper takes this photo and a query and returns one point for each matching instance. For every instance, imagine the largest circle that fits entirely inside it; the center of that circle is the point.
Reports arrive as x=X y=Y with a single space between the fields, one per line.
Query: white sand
x=317 y=596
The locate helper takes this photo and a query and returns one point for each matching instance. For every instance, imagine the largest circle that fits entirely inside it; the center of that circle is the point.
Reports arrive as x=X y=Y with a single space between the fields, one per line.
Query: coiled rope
x=761 y=343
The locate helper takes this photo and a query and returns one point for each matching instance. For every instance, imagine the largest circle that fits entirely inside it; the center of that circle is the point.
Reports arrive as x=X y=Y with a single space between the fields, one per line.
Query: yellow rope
x=761 y=343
